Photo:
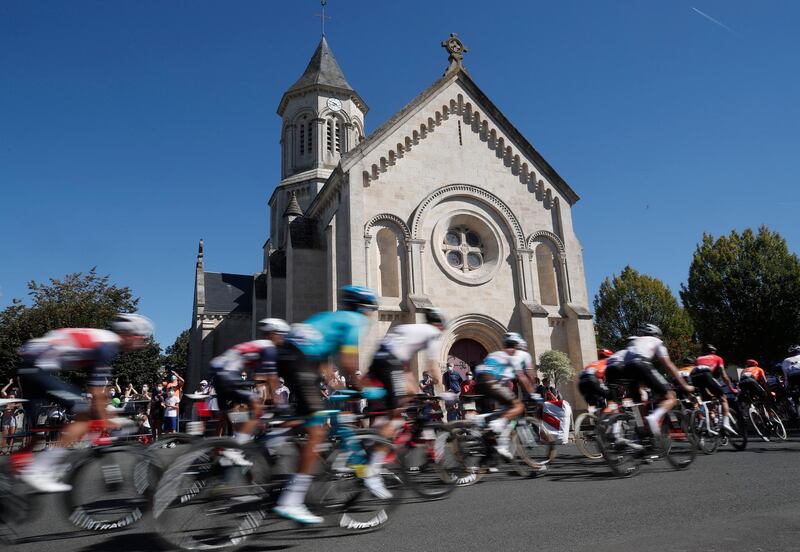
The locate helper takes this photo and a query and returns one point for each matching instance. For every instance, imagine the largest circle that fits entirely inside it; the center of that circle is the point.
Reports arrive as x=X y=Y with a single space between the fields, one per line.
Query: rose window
x=463 y=249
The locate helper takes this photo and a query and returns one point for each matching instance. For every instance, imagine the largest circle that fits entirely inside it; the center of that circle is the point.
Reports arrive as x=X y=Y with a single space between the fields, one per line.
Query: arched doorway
x=465 y=354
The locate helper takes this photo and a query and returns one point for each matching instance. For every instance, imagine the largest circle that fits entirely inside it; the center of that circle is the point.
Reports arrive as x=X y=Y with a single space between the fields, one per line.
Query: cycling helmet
x=794 y=350
x=689 y=361
x=130 y=323
x=708 y=348
x=273 y=325
x=523 y=345
x=435 y=316
x=358 y=298
x=511 y=340
x=651 y=330
x=604 y=353
x=750 y=362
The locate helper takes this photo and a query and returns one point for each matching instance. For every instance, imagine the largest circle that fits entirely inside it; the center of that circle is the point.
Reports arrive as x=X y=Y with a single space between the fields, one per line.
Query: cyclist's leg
x=510 y=408
x=301 y=375
x=665 y=397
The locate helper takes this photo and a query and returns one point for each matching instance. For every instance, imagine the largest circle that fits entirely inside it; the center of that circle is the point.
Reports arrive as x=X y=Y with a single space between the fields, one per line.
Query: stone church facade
x=445 y=204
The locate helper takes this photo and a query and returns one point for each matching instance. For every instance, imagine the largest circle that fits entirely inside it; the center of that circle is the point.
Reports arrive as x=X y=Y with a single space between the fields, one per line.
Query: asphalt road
x=730 y=501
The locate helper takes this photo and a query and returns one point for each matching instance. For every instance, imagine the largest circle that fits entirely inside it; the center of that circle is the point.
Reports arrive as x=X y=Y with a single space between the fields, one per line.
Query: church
x=445 y=204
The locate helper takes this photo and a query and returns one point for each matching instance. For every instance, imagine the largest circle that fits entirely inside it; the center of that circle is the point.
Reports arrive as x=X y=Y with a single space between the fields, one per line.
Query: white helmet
x=136 y=324
x=273 y=325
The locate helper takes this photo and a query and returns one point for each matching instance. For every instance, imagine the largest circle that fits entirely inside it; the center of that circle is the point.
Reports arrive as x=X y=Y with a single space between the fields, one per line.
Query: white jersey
x=526 y=359
x=406 y=340
x=647 y=347
x=514 y=363
x=790 y=366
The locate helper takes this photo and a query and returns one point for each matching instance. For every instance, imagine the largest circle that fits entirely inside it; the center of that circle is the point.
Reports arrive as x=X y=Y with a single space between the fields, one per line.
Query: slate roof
x=322 y=71
x=228 y=293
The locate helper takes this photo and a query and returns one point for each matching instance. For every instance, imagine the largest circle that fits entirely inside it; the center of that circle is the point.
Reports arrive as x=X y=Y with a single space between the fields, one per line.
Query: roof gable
x=521 y=151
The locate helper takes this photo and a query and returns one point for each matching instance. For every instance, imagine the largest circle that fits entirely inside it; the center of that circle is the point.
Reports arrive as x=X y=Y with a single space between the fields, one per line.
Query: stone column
x=319 y=141
x=367 y=267
x=524 y=273
x=415 y=266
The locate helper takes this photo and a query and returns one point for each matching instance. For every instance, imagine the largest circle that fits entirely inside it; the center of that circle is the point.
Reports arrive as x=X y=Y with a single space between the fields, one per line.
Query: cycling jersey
x=756 y=373
x=328 y=333
x=72 y=349
x=791 y=368
x=646 y=347
x=527 y=361
x=259 y=357
x=598 y=368
x=512 y=365
x=406 y=340
x=713 y=362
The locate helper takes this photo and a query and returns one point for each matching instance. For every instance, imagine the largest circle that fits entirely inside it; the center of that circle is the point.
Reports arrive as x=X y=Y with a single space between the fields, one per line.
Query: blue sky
x=129 y=130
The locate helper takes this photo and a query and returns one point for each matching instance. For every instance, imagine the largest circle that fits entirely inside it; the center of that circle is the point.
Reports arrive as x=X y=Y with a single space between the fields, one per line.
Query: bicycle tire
x=343 y=497
x=622 y=459
x=738 y=440
x=757 y=421
x=585 y=436
x=430 y=469
x=679 y=449
x=206 y=502
x=705 y=441
x=472 y=451
x=124 y=472
x=777 y=426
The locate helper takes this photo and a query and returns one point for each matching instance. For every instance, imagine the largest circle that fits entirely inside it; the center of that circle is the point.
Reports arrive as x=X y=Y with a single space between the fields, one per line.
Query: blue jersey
x=328 y=333
x=493 y=366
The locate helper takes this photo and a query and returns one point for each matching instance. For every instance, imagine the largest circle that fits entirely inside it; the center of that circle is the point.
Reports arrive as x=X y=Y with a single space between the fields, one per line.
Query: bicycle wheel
x=341 y=495
x=585 y=436
x=776 y=426
x=527 y=451
x=431 y=465
x=472 y=453
x=110 y=487
x=705 y=441
x=16 y=505
x=758 y=423
x=210 y=499
x=738 y=437
x=620 y=441
x=679 y=449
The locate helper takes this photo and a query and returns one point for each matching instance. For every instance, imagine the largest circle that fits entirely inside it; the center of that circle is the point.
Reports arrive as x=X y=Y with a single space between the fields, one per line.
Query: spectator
x=281 y=396
x=171 y=404
x=157 y=408
x=426 y=384
x=468 y=385
x=550 y=392
x=452 y=384
x=9 y=418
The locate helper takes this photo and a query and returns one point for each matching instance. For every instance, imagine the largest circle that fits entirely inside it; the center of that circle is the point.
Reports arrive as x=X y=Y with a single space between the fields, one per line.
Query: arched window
x=546 y=267
x=388 y=262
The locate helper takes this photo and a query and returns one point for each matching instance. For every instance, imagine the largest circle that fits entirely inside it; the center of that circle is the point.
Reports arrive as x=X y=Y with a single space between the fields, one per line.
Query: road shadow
x=148 y=542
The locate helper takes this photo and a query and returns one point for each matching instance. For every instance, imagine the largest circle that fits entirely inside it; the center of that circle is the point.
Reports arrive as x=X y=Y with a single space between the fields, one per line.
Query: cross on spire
x=322 y=15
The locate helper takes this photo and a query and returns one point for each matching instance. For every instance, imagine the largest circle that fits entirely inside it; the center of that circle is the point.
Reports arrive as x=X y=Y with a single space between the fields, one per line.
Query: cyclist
x=753 y=380
x=497 y=369
x=304 y=353
x=791 y=372
x=69 y=349
x=635 y=362
x=592 y=379
x=259 y=357
x=389 y=370
x=525 y=358
x=710 y=368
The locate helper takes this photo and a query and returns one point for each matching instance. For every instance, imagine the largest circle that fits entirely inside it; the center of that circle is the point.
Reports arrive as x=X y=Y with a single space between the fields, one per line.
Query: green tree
x=625 y=302
x=556 y=366
x=743 y=294
x=176 y=356
x=76 y=300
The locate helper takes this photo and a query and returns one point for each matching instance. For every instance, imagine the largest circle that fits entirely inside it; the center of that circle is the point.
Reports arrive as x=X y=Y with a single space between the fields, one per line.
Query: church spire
x=322 y=71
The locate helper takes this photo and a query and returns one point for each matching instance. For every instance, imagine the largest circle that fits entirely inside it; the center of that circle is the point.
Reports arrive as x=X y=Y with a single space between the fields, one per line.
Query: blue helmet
x=358 y=298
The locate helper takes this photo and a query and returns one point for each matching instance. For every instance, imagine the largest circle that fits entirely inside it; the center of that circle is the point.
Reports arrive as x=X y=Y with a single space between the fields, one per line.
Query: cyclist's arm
x=726 y=378
x=785 y=369
x=676 y=374
x=525 y=381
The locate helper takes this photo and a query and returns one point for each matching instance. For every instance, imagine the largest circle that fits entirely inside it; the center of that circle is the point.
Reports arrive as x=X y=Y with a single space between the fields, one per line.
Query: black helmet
x=689 y=361
x=511 y=340
x=708 y=348
x=794 y=350
x=651 y=330
x=358 y=298
x=435 y=316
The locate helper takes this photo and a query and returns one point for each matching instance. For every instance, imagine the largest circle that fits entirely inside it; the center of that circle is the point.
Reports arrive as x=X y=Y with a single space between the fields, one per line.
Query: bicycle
x=625 y=440
x=763 y=418
x=707 y=427
x=110 y=478
x=207 y=501
x=585 y=434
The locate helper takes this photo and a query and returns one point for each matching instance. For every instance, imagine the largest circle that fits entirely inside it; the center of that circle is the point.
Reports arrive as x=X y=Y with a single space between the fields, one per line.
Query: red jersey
x=599 y=368
x=714 y=362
